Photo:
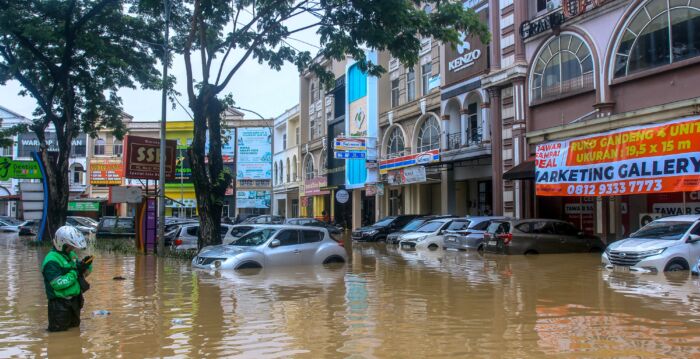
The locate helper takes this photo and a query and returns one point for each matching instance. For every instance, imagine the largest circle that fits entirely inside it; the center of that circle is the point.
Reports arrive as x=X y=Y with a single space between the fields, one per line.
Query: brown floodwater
x=384 y=303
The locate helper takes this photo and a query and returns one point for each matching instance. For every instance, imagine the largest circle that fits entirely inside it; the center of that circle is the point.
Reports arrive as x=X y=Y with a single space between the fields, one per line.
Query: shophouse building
x=9 y=188
x=585 y=68
x=286 y=177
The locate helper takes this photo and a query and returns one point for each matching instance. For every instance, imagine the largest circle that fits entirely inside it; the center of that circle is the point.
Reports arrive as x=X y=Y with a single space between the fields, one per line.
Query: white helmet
x=69 y=235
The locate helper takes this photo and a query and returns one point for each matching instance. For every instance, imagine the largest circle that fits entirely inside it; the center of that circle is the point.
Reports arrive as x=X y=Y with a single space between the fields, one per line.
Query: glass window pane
x=554 y=45
x=675 y=3
x=288 y=238
x=570 y=66
x=575 y=43
x=311 y=236
x=626 y=43
x=655 y=7
x=551 y=73
x=652 y=47
x=587 y=65
x=686 y=33
x=620 y=65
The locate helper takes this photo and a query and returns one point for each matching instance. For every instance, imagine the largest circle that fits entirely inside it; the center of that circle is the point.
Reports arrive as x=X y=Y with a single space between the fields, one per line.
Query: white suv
x=666 y=244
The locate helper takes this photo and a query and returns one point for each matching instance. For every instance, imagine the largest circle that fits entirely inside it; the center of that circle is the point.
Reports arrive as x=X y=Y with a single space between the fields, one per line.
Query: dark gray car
x=533 y=236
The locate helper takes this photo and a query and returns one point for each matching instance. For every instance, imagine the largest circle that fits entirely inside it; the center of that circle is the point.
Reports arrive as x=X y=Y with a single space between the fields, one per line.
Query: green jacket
x=60 y=275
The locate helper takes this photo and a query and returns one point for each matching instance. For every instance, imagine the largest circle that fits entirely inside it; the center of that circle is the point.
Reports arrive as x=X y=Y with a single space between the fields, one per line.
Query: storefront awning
x=523 y=171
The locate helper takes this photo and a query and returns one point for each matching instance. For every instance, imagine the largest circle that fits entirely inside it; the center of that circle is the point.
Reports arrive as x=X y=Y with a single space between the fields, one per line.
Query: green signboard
x=18 y=169
x=84 y=206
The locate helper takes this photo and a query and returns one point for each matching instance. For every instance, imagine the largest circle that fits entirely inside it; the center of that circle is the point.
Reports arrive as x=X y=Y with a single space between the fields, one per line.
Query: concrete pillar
x=463 y=127
x=356 y=208
x=519 y=15
x=497 y=150
x=495 y=20
x=448 y=200
x=485 y=122
x=443 y=132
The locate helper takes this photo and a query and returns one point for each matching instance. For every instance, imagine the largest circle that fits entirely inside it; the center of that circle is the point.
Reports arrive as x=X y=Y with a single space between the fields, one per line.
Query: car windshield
x=255 y=238
x=413 y=225
x=663 y=230
x=83 y=221
x=385 y=221
x=430 y=227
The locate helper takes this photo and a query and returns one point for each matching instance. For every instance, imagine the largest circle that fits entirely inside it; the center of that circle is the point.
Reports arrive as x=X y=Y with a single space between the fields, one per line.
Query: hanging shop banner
x=313 y=186
x=409 y=160
x=10 y=168
x=183 y=169
x=254 y=153
x=349 y=144
x=252 y=199
x=641 y=159
x=105 y=171
x=408 y=175
x=142 y=159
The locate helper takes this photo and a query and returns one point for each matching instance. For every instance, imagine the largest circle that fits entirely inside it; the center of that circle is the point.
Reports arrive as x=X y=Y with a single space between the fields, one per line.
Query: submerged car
x=186 y=238
x=538 y=236
x=313 y=222
x=116 y=227
x=471 y=237
x=666 y=244
x=430 y=235
x=264 y=219
x=380 y=230
x=273 y=245
x=395 y=237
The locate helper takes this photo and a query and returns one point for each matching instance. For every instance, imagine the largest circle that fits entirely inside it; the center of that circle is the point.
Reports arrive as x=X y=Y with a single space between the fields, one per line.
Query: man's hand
x=84 y=265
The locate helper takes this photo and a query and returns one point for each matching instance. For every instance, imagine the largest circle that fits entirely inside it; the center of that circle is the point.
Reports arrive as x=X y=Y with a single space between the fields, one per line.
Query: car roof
x=441 y=220
x=683 y=218
x=288 y=226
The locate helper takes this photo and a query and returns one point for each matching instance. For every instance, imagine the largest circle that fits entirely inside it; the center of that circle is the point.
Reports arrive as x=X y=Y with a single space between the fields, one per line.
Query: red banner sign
x=313 y=186
x=634 y=160
x=142 y=158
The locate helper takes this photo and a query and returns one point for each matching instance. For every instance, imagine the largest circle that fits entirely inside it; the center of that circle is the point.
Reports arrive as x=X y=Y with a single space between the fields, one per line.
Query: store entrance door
x=368 y=209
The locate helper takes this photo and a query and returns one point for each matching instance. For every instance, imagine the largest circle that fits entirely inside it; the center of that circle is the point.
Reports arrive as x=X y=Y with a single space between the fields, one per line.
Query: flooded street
x=384 y=303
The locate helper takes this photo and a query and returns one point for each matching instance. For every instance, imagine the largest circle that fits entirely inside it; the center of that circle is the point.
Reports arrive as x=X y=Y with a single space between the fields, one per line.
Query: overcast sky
x=255 y=87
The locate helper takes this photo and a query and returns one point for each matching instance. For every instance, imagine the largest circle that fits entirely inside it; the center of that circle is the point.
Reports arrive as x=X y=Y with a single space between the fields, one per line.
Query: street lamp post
x=161 y=177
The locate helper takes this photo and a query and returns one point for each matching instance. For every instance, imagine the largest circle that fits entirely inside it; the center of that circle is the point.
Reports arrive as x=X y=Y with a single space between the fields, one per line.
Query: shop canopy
x=523 y=171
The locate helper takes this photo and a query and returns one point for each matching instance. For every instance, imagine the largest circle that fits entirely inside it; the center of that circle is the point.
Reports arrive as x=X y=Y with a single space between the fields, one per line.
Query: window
x=311 y=236
x=289 y=169
x=458 y=226
x=312 y=93
x=284 y=141
x=77 y=172
x=395 y=92
x=564 y=65
x=323 y=162
x=474 y=130
x=288 y=238
x=542 y=227
x=429 y=135
x=395 y=146
x=297 y=133
x=481 y=226
x=117 y=148
x=543 y=5
x=309 y=169
x=428 y=9
x=660 y=33
x=294 y=168
x=275 y=170
x=411 y=85
x=426 y=73
x=565 y=229
x=281 y=173
x=312 y=128
x=99 y=147
x=239 y=231
x=524 y=227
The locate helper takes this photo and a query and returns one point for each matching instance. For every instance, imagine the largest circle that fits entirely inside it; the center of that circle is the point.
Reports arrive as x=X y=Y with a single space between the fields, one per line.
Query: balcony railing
x=473 y=138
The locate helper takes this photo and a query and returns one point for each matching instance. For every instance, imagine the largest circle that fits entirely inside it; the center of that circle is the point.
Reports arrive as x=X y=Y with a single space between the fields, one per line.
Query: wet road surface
x=385 y=303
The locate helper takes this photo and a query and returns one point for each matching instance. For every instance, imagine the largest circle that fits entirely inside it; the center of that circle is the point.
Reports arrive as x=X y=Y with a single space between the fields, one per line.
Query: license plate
x=493 y=243
x=621 y=269
x=405 y=246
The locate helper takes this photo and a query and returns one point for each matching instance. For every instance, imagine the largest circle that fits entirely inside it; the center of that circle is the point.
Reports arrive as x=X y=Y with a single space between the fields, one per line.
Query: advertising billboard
x=643 y=159
x=142 y=158
x=469 y=57
x=28 y=143
x=106 y=171
x=227 y=141
x=254 y=153
x=252 y=199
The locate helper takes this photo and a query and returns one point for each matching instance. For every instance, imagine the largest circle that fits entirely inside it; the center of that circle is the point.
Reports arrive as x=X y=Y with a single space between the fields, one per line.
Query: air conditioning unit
x=645 y=218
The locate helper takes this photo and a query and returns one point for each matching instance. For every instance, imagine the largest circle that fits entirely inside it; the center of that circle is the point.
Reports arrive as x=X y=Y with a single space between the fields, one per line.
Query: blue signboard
x=347 y=155
x=254 y=153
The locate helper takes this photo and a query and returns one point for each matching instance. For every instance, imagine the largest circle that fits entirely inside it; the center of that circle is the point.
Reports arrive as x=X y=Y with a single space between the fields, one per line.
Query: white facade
x=286 y=171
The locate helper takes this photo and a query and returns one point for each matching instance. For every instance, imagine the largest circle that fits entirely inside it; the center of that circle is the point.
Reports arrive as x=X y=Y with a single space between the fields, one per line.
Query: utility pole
x=161 y=177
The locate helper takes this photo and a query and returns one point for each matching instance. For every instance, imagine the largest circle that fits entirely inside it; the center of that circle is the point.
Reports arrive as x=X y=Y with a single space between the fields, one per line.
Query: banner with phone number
x=634 y=160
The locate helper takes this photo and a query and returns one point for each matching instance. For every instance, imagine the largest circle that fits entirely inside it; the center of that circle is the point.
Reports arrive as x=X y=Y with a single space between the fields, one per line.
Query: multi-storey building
x=286 y=177
x=9 y=189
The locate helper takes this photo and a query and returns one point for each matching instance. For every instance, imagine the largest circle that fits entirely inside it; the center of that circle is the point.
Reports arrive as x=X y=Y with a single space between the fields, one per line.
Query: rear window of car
x=288 y=238
x=311 y=236
x=192 y=231
x=499 y=227
x=481 y=226
x=109 y=222
x=239 y=231
x=458 y=225
x=524 y=227
x=125 y=223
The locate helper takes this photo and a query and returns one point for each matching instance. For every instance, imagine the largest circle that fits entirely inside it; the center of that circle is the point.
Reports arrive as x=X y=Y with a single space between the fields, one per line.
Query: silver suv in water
x=273 y=245
x=666 y=244
x=471 y=236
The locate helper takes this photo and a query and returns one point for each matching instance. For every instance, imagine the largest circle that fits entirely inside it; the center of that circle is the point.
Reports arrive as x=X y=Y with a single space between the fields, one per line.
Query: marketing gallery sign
x=142 y=158
x=634 y=160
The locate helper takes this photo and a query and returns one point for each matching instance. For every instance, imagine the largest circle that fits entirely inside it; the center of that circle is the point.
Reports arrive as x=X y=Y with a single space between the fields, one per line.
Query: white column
x=463 y=128
x=485 y=124
x=443 y=132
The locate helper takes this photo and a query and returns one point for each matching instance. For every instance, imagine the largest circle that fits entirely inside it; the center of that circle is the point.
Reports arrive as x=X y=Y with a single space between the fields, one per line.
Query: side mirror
x=693 y=238
x=275 y=243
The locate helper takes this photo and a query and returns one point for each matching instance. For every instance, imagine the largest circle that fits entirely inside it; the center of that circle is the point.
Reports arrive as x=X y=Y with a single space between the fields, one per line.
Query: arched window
x=294 y=169
x=661 y=32
x=77 y=172
x=323 y=161
x=281 y=173
x=309 y=168
x=289 y=169
x=99 y=147
x=429 y=135
x=563 y=65
x=395 y=145
x=117 y=148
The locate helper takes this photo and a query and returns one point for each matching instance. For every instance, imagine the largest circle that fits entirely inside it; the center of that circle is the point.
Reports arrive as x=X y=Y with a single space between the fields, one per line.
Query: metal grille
x=203 y=261
x=626 y=259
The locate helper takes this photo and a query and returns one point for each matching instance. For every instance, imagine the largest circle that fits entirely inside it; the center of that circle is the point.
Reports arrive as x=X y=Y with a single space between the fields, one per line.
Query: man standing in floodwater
x=64 y=279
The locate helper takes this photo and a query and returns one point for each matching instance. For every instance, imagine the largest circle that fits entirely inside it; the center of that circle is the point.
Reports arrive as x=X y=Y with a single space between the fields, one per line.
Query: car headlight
x=420 y=239
x=372 y=232
x=653 y=252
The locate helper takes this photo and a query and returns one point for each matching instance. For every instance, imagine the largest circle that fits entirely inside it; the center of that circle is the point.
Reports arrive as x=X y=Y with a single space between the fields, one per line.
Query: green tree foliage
x=223 y=34
x=72 y=56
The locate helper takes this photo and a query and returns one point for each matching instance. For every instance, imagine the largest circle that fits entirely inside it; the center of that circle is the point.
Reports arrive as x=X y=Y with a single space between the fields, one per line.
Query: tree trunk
x=57 y=182
x=208 y=174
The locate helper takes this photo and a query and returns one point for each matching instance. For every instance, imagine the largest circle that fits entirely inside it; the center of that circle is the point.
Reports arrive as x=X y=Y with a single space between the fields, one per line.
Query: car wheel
x=249 y=265
x=334 y=259
x=481 y=248
x=433 y=247
x=676 y=266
